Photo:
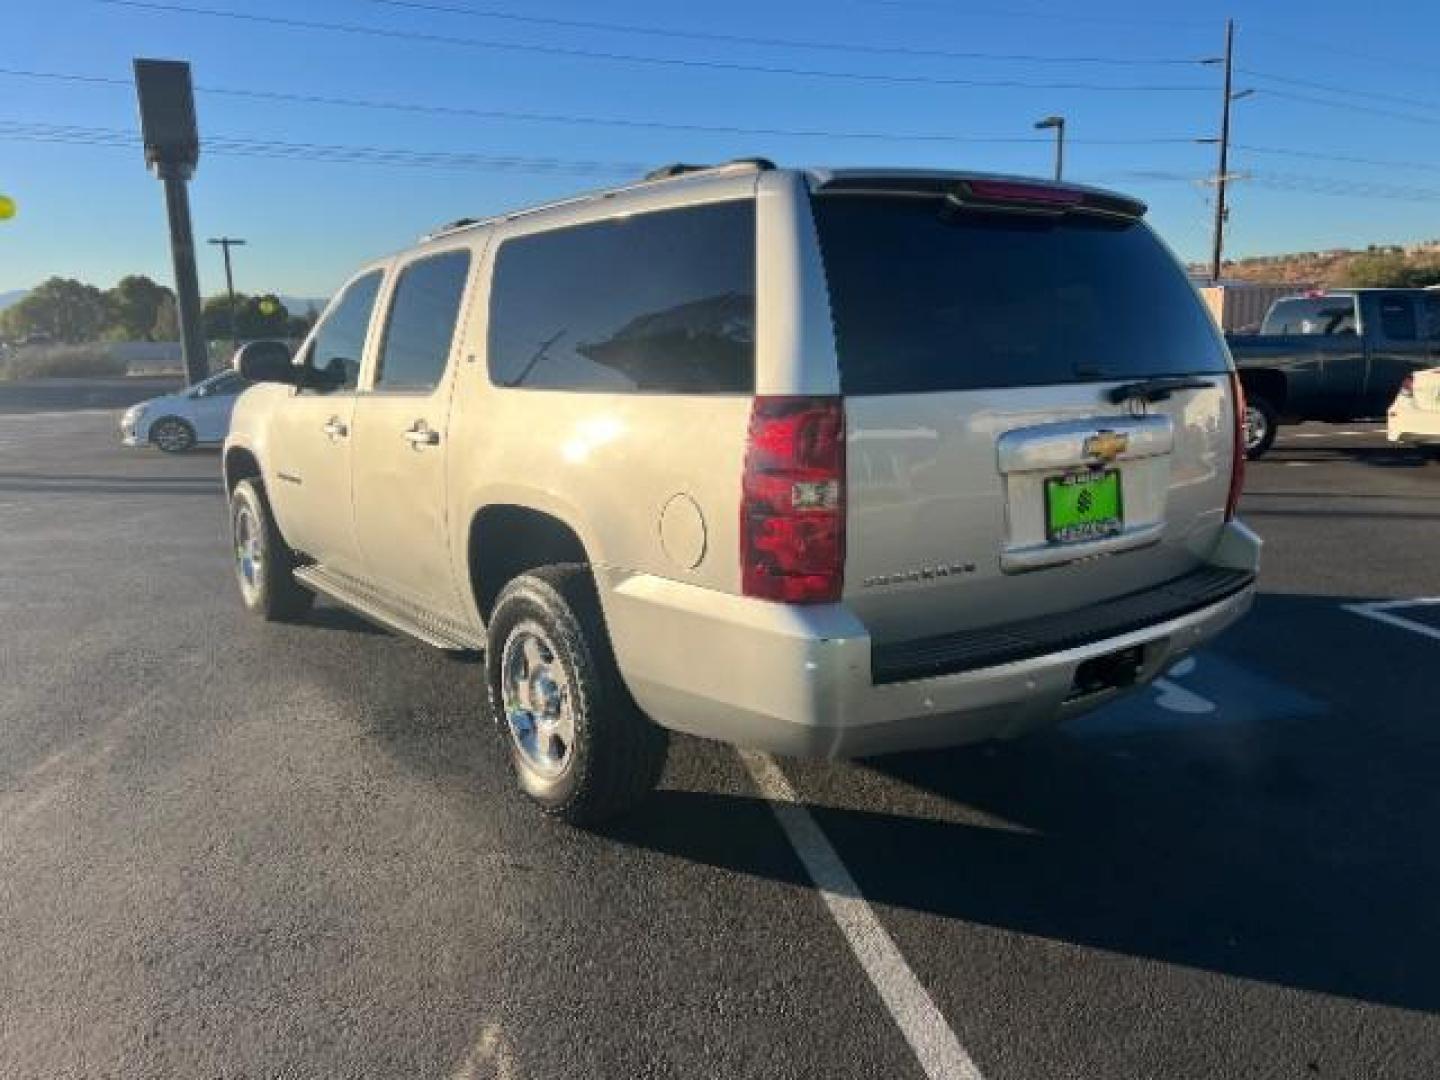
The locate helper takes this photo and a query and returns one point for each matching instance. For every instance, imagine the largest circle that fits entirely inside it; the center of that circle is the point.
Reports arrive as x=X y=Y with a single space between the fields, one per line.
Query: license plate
x=1083 y=505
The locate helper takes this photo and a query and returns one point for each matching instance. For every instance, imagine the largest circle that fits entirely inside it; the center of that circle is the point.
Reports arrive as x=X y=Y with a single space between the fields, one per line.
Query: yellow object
x=267 y=307
x=7 y=208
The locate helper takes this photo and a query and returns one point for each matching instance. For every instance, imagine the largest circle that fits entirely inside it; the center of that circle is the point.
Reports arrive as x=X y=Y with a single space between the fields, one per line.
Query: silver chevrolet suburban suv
x=825 y=462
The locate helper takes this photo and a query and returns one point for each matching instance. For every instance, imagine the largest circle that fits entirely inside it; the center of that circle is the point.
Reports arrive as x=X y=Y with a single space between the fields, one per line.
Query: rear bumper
x=801 y=680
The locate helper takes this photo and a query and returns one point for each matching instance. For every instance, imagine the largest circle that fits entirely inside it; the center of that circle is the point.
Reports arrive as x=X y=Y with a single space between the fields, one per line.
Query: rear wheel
x=580 y=747
x=1262 y=424
x=263 y=561
x=172 y=435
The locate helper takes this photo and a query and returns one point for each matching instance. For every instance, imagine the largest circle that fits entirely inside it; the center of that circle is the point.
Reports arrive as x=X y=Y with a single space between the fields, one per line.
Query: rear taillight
x=792 y=505
x=1407 y=387
x=1237 y=456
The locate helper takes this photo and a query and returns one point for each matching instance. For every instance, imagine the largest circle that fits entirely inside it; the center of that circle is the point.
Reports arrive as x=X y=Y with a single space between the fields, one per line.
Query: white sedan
x=176 y=422
x=1414 y=416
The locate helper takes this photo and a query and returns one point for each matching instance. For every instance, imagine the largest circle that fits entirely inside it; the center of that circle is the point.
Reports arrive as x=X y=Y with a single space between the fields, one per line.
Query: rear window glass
x=925 y=299
x=662 y=302
x=1311 y=315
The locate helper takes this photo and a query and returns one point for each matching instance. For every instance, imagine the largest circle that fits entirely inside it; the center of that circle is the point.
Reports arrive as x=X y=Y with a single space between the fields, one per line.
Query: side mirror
x=267 y=361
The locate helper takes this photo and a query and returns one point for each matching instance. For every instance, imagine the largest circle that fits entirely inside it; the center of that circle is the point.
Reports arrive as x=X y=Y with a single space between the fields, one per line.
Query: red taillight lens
x=1237 y=462
x=1021 y=193
x=1407 y=387
x=792 y=506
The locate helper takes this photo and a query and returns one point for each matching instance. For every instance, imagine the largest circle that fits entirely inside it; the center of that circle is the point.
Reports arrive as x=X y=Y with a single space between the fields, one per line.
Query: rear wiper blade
x=1157 y=389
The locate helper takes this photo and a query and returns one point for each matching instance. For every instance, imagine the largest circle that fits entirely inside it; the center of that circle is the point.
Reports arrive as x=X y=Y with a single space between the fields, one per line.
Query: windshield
x=925 y=299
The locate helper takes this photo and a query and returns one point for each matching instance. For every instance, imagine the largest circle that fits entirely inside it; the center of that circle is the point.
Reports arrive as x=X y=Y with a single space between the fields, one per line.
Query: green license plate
x=1083 y=506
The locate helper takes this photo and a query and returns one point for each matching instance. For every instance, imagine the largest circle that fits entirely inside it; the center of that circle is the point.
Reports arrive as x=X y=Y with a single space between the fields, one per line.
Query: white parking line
x=1380 y=611
x=934 y=1044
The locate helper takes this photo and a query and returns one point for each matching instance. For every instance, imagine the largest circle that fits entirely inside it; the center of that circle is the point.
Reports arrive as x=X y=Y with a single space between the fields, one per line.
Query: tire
x=263 y=561
x=1262 y=424
x=580 y=747
x=172 y=435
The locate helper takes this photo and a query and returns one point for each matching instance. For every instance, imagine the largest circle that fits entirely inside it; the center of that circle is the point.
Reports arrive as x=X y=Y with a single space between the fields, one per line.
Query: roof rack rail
x=680 y=168
x=450 y=226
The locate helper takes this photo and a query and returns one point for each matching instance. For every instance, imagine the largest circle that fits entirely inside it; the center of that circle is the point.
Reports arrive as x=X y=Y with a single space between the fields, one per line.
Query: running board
x=370 y=603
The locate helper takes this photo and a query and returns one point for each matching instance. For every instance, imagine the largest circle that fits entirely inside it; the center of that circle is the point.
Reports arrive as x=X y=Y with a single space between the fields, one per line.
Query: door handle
x=422 y=435
x=335 y=428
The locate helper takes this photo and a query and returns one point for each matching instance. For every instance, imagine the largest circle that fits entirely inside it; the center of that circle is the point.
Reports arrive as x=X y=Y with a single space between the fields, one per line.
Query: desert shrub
x=60 y=362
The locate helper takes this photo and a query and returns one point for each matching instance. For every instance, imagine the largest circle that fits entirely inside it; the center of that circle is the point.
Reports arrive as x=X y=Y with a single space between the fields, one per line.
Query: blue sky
x=93 y=212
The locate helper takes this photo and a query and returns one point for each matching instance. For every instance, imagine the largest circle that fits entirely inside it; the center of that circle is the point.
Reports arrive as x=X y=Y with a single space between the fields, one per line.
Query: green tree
x=134 y=305
x=61 y=309
x=1379 y=269
x=255 y=317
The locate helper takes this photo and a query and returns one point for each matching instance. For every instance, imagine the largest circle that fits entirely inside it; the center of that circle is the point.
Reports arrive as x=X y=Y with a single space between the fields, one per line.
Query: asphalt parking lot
x=240 y=850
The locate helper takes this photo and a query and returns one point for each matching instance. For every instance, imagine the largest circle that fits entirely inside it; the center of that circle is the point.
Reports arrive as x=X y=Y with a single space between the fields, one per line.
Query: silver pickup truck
x=826 y=462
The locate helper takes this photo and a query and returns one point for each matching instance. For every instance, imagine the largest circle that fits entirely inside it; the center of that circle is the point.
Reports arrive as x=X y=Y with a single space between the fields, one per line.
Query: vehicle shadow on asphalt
x=1299 y=853
x=1379 y=457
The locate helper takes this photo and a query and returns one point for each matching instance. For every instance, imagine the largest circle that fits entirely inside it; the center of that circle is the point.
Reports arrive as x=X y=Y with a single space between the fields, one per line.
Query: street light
x=1058 y=123
x=227 y=242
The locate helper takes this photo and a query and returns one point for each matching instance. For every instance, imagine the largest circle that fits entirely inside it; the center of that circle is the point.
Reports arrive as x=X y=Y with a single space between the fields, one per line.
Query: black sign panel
x=167 y=113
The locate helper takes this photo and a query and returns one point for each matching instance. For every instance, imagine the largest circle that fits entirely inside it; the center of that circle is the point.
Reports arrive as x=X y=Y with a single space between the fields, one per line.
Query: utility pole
x=226 y=243
x=1221 y=175
x=1058 y=123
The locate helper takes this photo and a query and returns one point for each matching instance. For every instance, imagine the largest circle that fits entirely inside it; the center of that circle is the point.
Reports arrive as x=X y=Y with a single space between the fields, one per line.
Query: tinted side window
x=1317 y=315
x=1432 y=317
x=1397 y=318
x=340 y=338
x=421 y=323
x=661 y=302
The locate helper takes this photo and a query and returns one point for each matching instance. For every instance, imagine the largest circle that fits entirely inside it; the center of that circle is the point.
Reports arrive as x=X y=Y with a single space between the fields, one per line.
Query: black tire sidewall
x=245 y=496
x=278 y=596
x=173 y=421
x=1272 y=426
x=531 y=599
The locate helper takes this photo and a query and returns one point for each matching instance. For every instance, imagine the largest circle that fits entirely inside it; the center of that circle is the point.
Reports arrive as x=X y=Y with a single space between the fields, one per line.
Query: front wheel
x=579 y=746
x=263 y=561
x=1262 y=424
x=172 y=435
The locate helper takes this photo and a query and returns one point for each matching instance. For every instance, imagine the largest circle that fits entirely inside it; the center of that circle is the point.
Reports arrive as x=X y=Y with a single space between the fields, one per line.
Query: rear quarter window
x=662 y=302
x=925 y=298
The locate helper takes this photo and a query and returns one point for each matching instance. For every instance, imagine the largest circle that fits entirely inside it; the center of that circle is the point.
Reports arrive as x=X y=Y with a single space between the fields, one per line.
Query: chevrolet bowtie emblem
x=1106 y=445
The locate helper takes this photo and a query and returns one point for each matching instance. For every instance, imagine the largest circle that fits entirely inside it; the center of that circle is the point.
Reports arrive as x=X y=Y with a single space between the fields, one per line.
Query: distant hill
x=1414 y=264
x=12 y=297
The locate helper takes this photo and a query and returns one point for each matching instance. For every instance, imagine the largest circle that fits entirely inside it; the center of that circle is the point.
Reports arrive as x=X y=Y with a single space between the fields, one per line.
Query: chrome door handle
x=335 y=428
x=421 y=435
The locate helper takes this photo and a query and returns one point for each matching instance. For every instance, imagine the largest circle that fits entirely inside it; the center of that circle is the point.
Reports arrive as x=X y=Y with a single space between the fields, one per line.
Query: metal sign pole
x=187 y=283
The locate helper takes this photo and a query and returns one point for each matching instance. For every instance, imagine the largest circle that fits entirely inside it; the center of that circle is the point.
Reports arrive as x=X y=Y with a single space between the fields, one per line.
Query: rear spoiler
x=986 y=193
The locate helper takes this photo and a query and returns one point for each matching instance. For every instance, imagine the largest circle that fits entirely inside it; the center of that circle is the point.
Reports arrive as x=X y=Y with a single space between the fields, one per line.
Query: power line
x=637 y=58
x=1306 y=183
x=1332 y=89
x=776 y=42
x=27 y=131
x=584 y=120
x=969 y=11
x=1341 y=158
x=1346 y=50
x=1348 y=106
